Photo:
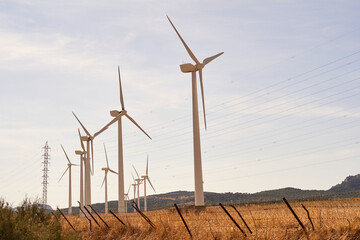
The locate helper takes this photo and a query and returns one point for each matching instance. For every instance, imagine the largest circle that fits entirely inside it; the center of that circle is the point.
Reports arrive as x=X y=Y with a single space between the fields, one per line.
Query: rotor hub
x=199 y=66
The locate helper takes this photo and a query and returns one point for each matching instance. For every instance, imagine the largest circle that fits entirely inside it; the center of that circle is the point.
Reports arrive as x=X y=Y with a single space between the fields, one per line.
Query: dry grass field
x=335 y=219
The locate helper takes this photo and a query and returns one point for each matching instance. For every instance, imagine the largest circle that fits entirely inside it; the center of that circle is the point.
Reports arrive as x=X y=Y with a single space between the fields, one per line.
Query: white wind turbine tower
x=88 y=169
x=68 y=168
x=117 y=118
x=107 y=169
x=126 y=195
x=186 y=68
x=82 y=158
x=134 y=186
x=138 y=182
x=146 y=177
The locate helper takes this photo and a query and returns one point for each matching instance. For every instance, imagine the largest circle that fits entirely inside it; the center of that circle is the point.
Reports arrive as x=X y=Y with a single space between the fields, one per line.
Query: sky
x=282 y=102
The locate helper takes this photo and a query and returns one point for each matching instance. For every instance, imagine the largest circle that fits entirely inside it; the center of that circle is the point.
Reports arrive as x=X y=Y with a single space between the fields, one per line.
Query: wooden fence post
x=134 y=205
x=99 y=216
x=232 y=219
x=84 y=214
x=91 y=216
x=116 y=217
x=66 y=219
x=183 y=220
x=56 y=217
x=242 y=218
x=296 y=217
x=308 y=214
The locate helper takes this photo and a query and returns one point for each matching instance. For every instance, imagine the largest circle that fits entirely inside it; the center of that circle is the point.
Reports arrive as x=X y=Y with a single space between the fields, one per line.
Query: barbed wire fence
x=253 y=219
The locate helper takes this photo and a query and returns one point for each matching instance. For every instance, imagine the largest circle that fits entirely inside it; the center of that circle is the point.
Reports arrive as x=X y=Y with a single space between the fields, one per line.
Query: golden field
x=333 y=219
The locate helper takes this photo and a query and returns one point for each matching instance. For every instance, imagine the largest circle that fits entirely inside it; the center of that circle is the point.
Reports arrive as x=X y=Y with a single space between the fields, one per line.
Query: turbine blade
x=147 y=165
x=131 y=119
x=108 y=125
x=107 y=161
x=121 y=95
x=103 y=181
x=209 y=59
x=65 y=153
x=151 y=184
x=75 y=165
x=63 y=174
x=112 y=171
x=128 y=191
x=133 y=177
x=92 y=157
x=85 y=130
x=202 y=95
x=136 y=172
x=182 y=40
x=82 y=144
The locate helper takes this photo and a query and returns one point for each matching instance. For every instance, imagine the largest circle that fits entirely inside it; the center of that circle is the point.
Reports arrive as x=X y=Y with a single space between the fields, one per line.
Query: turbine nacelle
x=115 y=113
x=79 y=152
x=189 y=67
x=84 y=138
x=87 y=138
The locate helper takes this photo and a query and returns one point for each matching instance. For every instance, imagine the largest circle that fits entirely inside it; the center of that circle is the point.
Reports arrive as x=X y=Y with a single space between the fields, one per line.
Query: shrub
x=27 y=222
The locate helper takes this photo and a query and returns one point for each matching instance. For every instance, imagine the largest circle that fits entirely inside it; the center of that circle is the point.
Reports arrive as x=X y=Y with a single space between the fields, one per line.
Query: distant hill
x=351 y=183
x=350 y=187
x=46 y=207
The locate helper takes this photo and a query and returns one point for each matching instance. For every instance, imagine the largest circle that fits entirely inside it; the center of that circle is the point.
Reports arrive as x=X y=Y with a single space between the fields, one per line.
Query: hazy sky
x=282 y=102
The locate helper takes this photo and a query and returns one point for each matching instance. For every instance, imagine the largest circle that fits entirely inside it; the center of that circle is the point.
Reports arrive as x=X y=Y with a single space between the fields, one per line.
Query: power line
x=290 y=85
x=291 y=108
x=325 y=131
x=157 y=126
x=282 y=131
x=279 y=97
x=231 y=128
x=288 y=94
x=292 y=168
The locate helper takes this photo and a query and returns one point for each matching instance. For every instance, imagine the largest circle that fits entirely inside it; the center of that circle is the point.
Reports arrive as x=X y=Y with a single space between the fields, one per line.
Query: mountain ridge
x=348 y=188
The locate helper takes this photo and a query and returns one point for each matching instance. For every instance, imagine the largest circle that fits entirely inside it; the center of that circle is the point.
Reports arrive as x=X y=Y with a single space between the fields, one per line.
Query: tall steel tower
x=46 y=157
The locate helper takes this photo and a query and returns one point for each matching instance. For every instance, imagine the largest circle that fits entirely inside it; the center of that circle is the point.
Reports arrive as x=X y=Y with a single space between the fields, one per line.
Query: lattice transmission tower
x=46 y=157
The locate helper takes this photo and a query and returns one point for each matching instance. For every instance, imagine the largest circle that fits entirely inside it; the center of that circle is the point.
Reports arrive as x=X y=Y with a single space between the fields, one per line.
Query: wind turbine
x=186 y=68
x=88 y=169
x=126 y=195
x=146 y=177
x=134 y=186
x=107 y=169
x=117 y=118
x=138 y=182
x=82 y=157
x=68 y=168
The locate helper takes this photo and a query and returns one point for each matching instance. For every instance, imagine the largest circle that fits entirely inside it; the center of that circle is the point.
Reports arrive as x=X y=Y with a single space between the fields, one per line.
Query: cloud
x=42 y=51
x=57 y=57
